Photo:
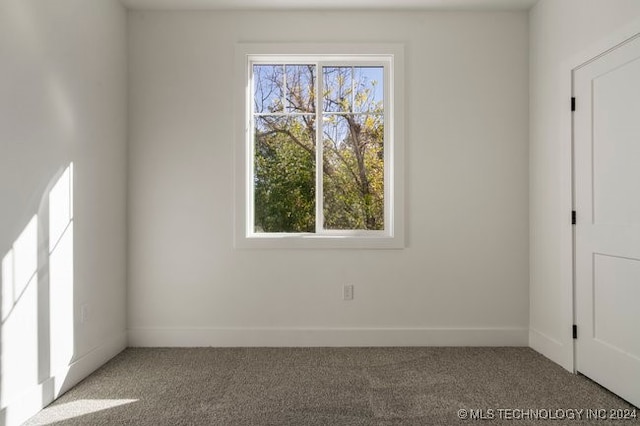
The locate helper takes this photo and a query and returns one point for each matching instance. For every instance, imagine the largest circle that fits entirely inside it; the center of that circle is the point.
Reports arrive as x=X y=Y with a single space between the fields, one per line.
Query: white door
x=607 y=202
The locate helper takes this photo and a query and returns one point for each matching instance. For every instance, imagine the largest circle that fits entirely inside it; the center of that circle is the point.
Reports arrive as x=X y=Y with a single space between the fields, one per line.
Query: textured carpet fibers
x=332 y=386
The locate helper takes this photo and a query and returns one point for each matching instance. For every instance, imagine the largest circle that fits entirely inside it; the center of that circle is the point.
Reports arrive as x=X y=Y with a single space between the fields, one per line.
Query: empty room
x=319 y=212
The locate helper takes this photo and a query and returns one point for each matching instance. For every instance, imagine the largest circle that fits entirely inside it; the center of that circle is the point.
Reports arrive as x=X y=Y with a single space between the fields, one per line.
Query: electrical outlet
x=84 y=314
x=347 y=292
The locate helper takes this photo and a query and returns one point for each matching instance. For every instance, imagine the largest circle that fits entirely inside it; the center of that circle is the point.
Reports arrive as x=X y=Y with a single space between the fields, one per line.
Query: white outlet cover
x=348 y=292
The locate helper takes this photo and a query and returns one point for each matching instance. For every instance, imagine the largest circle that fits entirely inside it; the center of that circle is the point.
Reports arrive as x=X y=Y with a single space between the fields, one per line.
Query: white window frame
x=391 y=57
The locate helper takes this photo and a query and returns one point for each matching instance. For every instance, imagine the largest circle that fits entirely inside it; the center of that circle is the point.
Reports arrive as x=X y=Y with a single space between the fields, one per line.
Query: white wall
x=463 y=278
x=62 y=101
x=562 y=35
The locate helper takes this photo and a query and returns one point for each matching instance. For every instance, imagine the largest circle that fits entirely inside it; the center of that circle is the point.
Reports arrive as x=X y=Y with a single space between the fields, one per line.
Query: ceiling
x=332 y=4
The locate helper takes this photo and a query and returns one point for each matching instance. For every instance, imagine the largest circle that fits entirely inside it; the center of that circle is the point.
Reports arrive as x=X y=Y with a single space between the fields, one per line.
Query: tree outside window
x=299 y=184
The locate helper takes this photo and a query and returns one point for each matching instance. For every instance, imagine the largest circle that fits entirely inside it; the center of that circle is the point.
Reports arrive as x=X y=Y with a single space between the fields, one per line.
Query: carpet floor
x=333 y=386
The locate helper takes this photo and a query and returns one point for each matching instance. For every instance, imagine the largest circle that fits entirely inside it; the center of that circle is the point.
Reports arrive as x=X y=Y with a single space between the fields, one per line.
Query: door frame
x=569 y=66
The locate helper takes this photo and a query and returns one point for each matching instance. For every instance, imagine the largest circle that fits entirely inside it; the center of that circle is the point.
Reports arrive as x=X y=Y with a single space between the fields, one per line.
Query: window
x=320 y=146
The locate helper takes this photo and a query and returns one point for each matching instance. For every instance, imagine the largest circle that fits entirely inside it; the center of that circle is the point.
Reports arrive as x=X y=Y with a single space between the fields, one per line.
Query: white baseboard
x=551 y=348
x=39 y=396
x=305 y=337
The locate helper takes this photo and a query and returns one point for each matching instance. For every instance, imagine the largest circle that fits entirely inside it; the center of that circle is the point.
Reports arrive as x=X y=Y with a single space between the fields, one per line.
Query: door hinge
x=573 y=217
x=573 y=104
x=574 y=331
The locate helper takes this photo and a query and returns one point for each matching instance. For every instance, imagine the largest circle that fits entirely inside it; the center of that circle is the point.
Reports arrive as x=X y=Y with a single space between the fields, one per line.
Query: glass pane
x=268 y=83
x=338 y=89
x=284 y=180
x=369 y=89
x=301 y=82
x=353 y=171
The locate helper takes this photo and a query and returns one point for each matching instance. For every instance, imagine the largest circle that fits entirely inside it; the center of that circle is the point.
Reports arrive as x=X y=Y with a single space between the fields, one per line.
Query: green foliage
x=284 y=183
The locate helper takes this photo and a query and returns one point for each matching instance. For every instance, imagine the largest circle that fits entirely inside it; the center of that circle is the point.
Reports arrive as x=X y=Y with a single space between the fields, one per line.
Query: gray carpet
x=327 y=386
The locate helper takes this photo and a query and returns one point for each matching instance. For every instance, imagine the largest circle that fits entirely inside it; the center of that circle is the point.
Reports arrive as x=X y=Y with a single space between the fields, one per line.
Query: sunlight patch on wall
x=60 y=207
x=20 y=314
x=61 y=271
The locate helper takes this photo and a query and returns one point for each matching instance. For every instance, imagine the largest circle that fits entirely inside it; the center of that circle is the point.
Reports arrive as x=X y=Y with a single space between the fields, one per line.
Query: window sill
x=319 y=242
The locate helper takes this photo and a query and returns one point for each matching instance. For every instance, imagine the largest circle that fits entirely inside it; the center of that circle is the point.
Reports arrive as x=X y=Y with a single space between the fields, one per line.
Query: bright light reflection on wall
x=19 y=357
x=60 y=208
x=20 y=314
x=81 y=407
x=61 y=272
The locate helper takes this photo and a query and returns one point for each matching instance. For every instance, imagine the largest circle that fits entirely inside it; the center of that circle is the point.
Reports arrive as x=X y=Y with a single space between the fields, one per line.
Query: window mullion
x=319 y=149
